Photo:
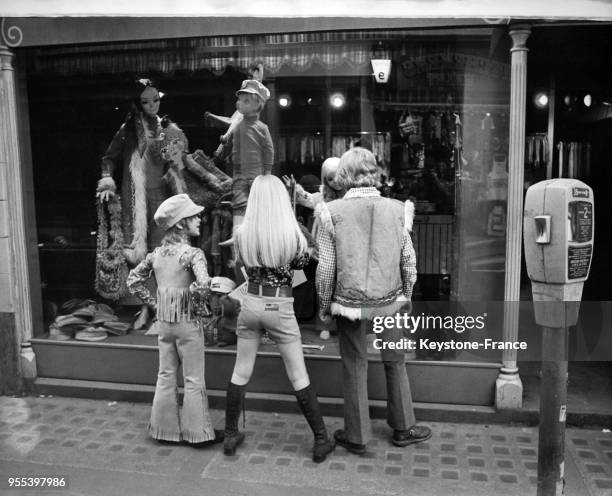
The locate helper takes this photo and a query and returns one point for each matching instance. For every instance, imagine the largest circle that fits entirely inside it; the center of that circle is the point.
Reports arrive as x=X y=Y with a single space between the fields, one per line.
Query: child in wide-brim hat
x=182 y=287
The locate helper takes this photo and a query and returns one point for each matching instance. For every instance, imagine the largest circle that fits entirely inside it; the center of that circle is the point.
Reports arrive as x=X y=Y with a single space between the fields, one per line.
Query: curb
x=333 y=407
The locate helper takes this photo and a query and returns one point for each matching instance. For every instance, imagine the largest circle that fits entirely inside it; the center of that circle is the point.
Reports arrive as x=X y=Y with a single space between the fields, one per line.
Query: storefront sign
x=453 y=63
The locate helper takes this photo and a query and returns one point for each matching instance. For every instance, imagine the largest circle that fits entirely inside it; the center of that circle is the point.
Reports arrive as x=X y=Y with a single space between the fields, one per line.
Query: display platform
x=133 y=359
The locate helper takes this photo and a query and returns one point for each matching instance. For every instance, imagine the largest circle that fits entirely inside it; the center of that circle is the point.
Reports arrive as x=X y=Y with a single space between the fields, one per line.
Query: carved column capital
x=519 y=34
x=6 y=58
x=10 y=36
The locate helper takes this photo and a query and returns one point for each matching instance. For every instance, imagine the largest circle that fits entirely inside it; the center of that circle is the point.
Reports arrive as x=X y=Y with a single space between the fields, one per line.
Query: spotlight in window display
x=337 y=100
x=284 y=101
x=541 y=100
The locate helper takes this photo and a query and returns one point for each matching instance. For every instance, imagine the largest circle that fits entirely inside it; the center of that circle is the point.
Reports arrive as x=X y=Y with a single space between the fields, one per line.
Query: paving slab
x=103 y=449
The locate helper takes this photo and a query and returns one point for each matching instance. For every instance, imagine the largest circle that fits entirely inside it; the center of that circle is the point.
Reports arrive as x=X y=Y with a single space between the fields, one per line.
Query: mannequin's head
x=328 y=172
x=249 y=104
x=149 y=101
x=146 y=97
x=329 y=187
x=251 y=97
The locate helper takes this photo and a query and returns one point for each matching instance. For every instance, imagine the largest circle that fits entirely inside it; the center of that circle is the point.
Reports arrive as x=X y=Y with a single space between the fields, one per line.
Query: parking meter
x=558 y=236
x=558 y=232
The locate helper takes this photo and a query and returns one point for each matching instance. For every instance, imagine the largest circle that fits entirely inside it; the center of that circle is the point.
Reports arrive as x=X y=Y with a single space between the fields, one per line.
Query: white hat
x=222 y=284
x=174 y=209
x=254 y=87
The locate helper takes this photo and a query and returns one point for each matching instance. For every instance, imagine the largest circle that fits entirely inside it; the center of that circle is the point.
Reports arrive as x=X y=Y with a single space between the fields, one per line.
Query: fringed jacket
x=182 y=282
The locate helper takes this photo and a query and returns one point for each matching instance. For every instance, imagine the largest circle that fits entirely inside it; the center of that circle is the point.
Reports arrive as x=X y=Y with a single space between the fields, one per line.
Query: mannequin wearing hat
x=252 y=148
x=222 y=152
x=133 y=155
x=181 y=302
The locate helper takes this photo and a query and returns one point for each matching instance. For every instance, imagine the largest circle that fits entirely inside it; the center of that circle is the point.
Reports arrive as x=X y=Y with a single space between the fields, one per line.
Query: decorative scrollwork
x=12 y=36
x=496 y=20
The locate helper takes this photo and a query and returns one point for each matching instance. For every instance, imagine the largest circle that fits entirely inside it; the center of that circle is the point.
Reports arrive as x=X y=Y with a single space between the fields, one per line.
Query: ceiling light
x=541 y=100
x=337 y=100
x=284 y=101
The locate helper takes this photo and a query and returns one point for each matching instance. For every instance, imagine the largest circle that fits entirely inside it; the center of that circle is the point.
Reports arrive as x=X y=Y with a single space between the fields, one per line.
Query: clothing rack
x=574 y=159
x=378 y=142
x=309 y=148
x=537 y=151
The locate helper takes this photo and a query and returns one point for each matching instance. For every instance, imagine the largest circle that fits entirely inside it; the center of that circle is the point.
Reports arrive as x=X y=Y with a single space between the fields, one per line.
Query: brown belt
x=282 y=291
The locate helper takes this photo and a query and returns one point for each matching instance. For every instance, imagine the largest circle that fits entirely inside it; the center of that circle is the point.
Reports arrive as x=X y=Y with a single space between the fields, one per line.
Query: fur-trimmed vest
x=368 y=233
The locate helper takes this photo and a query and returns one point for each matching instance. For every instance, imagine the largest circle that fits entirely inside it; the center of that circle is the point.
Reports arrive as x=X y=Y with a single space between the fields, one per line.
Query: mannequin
x=252 y=148
x=251 y=99
x=191 y=173
x=133 y=157
x=197 y=175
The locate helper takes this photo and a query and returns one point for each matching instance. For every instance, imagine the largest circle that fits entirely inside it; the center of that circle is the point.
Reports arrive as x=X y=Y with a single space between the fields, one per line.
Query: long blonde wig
x=269 y=236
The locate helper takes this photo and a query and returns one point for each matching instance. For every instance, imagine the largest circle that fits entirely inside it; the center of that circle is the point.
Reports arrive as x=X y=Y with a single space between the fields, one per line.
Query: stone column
x=15 y=289
x=508 y=387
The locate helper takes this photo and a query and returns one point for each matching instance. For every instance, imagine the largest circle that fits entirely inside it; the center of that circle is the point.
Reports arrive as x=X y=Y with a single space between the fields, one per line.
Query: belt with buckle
x=258 y=289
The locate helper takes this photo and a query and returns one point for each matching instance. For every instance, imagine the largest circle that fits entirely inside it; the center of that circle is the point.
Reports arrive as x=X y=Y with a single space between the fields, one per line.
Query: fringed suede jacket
x=182 y=282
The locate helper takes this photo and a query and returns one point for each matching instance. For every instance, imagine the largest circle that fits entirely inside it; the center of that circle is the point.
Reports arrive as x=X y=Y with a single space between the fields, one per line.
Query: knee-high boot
x=233 y=406
x=307 y=400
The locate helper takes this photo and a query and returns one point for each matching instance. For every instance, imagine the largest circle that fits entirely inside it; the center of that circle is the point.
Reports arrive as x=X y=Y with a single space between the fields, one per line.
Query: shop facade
x=446 y=123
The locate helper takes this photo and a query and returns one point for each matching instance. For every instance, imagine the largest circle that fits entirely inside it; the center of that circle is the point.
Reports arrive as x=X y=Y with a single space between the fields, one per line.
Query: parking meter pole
x=558 y=232
x=553 y=401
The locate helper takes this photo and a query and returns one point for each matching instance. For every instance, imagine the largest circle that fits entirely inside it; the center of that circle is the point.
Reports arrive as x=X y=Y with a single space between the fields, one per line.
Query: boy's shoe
x=416 y=434
x=340 y=437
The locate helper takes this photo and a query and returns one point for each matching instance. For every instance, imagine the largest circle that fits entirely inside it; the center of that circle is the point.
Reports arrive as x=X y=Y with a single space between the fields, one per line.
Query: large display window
x=438 y=125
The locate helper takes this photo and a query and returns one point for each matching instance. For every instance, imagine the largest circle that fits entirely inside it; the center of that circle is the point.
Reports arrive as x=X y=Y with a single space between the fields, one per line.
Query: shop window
x=438 y=127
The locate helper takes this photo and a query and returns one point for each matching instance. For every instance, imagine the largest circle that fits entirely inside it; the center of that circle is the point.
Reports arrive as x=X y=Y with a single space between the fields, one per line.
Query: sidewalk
x=102 y=448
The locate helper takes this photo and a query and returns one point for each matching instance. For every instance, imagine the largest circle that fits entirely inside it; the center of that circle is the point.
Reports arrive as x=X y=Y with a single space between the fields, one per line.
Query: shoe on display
x=58 y=334
x=91 y=334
